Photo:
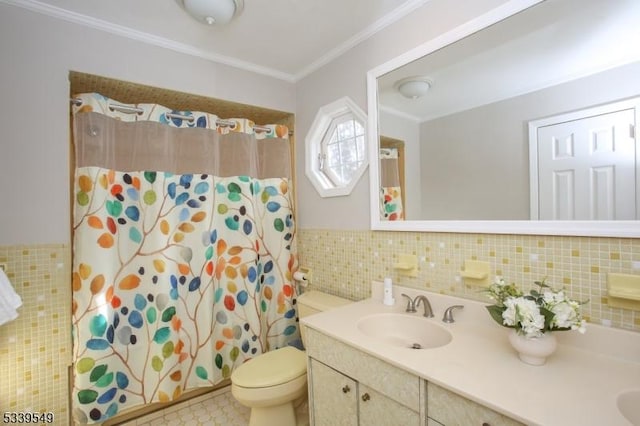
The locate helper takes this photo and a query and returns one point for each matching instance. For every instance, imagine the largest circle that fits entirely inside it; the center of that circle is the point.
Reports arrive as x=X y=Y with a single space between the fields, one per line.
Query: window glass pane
x=333 y=155
x=360 y=147
x=348 y=150
x=344 y=148
x=359 y=129
x=345 y=130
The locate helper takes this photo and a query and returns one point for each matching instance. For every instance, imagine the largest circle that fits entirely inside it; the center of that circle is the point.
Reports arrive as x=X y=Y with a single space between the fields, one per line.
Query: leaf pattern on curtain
x=391 y=203
x=177 y=279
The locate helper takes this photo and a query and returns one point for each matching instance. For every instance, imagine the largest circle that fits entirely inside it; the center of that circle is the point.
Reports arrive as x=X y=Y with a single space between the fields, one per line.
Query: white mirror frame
x=622 y=228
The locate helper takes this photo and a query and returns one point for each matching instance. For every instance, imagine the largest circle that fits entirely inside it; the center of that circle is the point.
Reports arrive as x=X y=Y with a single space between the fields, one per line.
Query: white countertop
x=578 y=385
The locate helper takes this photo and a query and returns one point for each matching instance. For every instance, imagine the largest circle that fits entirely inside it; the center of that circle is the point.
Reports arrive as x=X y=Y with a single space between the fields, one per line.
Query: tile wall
x=35 y=349
x=345 y=262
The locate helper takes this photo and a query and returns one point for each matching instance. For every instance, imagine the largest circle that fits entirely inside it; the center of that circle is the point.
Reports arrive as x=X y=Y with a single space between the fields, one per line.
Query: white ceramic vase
x=533 y=350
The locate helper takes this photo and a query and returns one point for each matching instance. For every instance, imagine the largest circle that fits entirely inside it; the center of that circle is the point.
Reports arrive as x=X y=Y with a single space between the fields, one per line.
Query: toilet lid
x=271 y=368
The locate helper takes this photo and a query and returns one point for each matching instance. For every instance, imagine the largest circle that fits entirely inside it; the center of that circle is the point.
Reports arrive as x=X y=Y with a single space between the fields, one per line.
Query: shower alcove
x=133 y=93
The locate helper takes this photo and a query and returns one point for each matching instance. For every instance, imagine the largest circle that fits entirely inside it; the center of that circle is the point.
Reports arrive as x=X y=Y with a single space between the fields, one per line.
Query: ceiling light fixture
x=413 y=87
x=213 y=12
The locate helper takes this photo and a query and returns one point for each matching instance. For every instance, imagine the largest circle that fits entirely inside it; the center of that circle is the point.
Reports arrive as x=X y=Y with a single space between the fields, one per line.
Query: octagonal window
x=336 y=148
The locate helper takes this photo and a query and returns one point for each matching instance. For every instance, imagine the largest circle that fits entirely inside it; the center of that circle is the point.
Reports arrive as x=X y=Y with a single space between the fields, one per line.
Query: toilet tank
x=312 y=302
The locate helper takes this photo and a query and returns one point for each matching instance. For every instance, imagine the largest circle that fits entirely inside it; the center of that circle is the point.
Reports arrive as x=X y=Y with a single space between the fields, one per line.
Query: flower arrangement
x=542 y=310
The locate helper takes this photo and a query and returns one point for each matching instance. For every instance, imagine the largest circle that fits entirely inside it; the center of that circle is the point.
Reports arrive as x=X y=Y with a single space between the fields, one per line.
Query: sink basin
x=629 y=405
x=414 y=332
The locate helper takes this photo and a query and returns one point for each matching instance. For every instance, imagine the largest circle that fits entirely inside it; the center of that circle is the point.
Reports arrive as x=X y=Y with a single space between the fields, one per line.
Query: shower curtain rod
x=133 y=110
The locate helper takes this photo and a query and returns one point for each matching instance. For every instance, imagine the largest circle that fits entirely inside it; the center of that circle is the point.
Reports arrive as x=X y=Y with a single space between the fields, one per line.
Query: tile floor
x=218 y=408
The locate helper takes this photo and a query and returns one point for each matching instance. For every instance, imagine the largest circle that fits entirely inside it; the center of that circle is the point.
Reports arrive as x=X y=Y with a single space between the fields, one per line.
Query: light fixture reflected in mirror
x=413 y=87
x=213 y=12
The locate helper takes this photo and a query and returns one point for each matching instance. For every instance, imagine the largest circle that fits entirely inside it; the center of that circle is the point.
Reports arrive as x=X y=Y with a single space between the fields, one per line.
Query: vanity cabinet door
x=450 y=409
x=334 y=396
x=376 y=409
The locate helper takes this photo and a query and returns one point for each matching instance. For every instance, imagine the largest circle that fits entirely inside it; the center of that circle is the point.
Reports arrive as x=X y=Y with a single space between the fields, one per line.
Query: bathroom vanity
x=473 y=378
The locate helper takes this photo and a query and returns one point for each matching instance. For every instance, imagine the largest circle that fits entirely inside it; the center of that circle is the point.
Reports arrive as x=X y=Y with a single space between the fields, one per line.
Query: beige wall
x=488 y=147
x=346 y=76
x=38 y=52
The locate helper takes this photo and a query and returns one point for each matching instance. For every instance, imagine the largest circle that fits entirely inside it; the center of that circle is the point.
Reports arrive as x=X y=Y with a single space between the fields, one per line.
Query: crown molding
x=363 y=35
x=120 y=30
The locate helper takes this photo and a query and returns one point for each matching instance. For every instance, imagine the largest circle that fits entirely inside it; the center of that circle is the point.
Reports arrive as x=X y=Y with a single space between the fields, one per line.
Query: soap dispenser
x=387 y=298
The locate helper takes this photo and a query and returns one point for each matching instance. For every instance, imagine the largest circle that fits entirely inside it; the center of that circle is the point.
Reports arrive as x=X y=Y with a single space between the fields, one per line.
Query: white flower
x=525 y=313
x=552 y=298
x=536 y=313
x=565 y=314
x=582 y=328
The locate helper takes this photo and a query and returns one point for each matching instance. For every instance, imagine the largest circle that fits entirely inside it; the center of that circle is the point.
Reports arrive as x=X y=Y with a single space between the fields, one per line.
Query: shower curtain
x=183 y=251
x=391 y=207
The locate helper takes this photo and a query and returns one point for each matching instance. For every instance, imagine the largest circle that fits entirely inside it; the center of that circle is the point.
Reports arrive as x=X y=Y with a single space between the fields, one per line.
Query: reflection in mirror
x=493 y=98
x=393 y=199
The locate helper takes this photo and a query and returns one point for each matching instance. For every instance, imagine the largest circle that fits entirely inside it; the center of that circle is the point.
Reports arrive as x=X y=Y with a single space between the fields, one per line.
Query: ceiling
x=551 y=43
x=286 y=39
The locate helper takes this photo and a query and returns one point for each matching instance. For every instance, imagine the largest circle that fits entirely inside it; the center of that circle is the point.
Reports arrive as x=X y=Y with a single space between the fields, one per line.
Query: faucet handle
x=410 y=305
x=448 y=313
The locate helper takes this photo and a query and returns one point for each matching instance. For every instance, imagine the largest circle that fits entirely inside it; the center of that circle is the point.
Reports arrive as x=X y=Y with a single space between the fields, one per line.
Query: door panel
x=587 y=168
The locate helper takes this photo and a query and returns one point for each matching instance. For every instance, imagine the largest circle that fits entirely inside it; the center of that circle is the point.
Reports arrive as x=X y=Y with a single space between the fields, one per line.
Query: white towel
x=9 y=300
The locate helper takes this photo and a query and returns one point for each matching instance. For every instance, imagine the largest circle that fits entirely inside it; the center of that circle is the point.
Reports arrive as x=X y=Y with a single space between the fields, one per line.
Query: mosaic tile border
x=35 y=348
x=345 y=262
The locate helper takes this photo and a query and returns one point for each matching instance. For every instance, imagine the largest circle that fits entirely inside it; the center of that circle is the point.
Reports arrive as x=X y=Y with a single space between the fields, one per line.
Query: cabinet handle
x=366 y=397
x=346 y=389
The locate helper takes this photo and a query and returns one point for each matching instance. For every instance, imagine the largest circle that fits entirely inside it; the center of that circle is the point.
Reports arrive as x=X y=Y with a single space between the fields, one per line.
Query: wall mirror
x=476 y=108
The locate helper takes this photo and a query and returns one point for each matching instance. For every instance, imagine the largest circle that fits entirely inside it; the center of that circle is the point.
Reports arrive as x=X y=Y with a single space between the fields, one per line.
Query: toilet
x=270 y=383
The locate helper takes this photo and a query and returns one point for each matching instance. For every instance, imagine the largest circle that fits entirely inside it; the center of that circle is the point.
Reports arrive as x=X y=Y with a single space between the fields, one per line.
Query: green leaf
x=234 y=353
x=156 y=363
x=226 y=372
x=149 y=197
x=167 y=349
x=82 y=198
x=152 y=314
x=105 y=380
x=234 y=187
x=98 y=325
x=548 y=319
x=98 y=372
x=496 y=314
x=85 y=365
x=231 y=223
x=168 y=314
x=202 y=373
x=114 y=208
x=161 y=335
x=150 y=176
x=87 y=396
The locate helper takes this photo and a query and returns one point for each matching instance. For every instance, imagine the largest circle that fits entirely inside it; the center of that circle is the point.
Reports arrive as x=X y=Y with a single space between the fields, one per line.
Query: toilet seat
x=271 y=368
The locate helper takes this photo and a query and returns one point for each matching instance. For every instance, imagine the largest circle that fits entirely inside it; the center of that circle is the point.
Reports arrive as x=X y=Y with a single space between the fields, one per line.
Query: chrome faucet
x=448 y=314
x=428 y=312
x=412 y=304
